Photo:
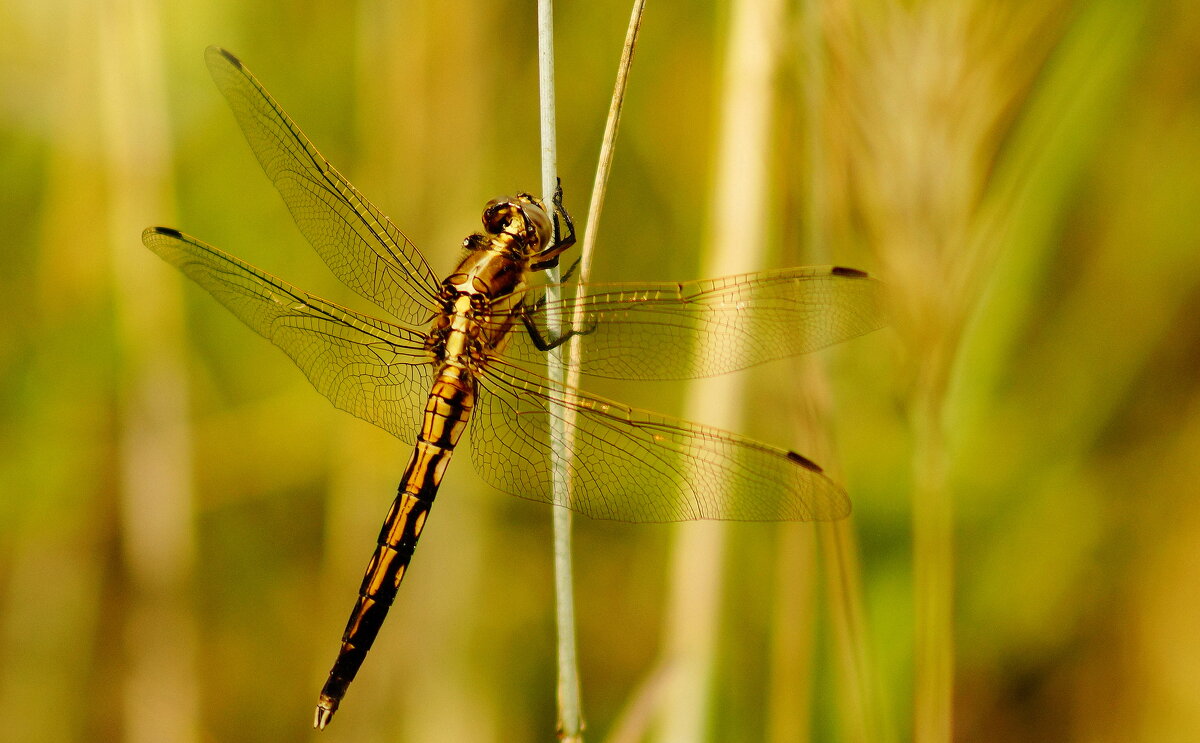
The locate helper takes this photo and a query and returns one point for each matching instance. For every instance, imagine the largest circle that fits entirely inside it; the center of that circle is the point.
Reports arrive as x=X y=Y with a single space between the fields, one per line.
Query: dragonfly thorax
x=471 y=297
x=488 y=274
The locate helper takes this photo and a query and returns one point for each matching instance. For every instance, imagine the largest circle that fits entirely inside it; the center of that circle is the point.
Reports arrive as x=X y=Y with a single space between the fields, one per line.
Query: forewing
x=627 y=464
x=375 y=370
x=357 y=241
x=663 y=331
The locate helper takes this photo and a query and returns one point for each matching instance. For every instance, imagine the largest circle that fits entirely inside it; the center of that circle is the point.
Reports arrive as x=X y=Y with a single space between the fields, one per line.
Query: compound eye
x=499 y=214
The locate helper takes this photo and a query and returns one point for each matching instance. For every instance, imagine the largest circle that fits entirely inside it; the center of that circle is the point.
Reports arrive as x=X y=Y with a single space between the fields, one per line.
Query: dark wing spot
x=852 y=273
x=232 y=59
x=169 y=232
x=805 y=462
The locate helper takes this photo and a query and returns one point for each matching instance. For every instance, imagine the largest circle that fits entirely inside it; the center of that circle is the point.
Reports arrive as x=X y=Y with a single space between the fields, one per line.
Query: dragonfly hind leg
x=544 y=342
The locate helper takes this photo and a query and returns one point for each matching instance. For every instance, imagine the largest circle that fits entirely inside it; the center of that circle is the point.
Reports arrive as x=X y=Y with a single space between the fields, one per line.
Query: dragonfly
x=469 y=352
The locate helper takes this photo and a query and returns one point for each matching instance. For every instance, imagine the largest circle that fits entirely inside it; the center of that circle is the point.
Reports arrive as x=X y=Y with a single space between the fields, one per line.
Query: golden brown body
x=448 y=336
x=474 y=322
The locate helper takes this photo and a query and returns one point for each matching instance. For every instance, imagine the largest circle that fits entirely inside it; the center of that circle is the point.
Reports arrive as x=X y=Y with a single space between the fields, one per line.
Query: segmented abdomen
x=446 y=414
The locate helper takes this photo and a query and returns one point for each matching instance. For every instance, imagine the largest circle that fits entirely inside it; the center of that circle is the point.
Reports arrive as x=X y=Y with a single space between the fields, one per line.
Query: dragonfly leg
x=548 y=258
x=541 y=342
x=560 y=210
x=570 y=271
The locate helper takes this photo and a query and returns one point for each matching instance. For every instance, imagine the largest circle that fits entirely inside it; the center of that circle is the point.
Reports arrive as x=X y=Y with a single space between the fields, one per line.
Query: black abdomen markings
x=446 y=415
x=447 y=410
x=393 y=551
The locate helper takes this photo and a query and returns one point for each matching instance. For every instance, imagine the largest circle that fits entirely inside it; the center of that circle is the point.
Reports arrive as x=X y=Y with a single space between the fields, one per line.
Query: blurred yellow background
x=184 y=521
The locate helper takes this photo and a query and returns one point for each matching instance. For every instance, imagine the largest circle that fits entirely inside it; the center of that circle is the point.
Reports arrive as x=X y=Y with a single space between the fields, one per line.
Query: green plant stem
x=570 y=713
x=569 y=707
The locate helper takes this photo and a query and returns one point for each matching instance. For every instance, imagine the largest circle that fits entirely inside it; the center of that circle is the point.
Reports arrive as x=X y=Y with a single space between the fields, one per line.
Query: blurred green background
x=183 y=521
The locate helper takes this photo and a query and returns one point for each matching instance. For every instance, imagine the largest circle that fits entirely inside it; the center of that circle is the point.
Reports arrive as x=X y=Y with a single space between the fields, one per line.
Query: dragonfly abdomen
x=446 y=415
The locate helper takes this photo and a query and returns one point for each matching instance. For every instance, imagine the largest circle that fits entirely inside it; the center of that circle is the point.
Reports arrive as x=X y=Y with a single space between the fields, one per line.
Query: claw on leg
x=548 y=258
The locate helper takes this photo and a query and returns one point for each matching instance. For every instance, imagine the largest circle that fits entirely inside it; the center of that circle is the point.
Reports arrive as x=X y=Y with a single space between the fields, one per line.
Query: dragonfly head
x=522 y=217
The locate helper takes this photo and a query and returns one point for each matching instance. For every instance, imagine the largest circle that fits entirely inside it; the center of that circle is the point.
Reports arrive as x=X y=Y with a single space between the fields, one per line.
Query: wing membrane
x=664 y=331
x=355 y=239
x=369 y=368
x=631 y=465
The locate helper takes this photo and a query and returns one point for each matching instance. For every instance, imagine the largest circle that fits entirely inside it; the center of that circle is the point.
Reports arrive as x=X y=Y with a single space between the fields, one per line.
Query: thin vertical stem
x=816 y=211
x=736 y=243
x=570 y=713
x=607 y=149
x=858 y=707
x=789 y=690
x=600 y=186
x=793 y=625
x=161 y=699
x=933 y=568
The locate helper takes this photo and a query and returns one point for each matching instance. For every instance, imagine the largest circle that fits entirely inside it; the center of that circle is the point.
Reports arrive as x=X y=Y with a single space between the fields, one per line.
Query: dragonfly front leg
x=548 y=258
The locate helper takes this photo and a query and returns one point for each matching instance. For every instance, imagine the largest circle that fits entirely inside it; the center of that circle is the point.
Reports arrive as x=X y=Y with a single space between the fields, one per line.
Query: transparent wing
x=663 y=331
x=375 y=370
x=357 y=241
x=633 y=465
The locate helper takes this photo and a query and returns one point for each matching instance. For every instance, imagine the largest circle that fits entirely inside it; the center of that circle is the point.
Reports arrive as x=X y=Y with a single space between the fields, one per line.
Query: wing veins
x=634 y=465
x=671 y=331
x=292 y=161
